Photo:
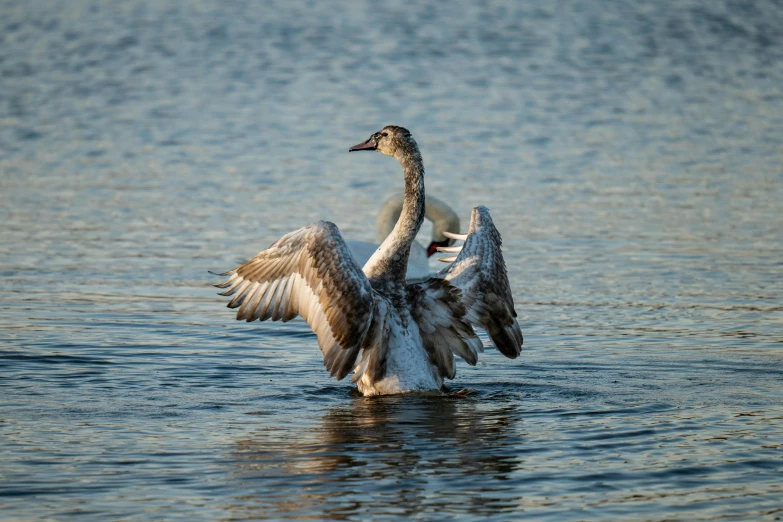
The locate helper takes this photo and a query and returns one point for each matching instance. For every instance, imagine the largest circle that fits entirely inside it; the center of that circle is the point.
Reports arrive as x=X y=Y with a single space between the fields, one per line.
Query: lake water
x=630 y=154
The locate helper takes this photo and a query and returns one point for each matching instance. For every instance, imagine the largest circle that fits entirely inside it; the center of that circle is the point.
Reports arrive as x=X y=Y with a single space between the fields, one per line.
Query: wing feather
x=309 y=272
x=479 y=271
x=372 y=361
x=252 y=302
x=438 y=310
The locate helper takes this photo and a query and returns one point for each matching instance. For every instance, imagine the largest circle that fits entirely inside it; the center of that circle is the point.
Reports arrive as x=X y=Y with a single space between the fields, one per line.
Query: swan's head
x=391 y=140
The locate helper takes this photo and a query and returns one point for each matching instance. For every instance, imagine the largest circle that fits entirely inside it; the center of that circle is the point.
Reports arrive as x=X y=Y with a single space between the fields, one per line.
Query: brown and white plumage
x=309 y=272
x=437 y=308
x=479 y=271
x=395 y=336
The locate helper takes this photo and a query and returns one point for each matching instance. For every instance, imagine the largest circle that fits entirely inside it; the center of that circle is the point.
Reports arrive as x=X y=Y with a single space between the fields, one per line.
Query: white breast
x=408 y=368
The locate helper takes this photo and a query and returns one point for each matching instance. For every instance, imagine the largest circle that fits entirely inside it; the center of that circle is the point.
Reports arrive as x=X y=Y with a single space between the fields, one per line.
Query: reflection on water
x=387 y=456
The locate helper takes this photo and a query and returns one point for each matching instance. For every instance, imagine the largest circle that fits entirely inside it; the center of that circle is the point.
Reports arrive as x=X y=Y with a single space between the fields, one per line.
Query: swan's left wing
x=310 y=272
x=480 y=272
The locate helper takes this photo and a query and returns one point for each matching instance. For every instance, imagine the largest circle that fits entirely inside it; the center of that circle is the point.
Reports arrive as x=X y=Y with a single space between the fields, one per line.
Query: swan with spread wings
x=396 y=337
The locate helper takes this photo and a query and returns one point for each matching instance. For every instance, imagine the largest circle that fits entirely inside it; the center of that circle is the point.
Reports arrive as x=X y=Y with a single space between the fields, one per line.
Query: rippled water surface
x=630 y=154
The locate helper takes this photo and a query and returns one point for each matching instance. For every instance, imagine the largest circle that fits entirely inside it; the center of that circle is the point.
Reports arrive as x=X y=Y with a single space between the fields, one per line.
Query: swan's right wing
x=440 y=314
x=480 y=272
x=309 y=272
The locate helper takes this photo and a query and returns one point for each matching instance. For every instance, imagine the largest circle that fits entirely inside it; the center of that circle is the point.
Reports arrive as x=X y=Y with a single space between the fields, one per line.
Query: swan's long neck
x=413 y=204
x=390 y=261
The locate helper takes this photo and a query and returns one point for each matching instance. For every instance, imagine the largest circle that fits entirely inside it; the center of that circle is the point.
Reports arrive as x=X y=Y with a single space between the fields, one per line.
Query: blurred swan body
x=443 y=219
x=396 y=337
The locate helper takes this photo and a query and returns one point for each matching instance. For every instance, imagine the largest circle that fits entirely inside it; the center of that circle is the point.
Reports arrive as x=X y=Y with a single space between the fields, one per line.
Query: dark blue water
x=630 y=154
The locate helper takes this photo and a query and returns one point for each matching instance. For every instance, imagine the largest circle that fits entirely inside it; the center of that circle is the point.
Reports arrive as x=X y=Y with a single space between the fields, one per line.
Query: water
x=630 y=154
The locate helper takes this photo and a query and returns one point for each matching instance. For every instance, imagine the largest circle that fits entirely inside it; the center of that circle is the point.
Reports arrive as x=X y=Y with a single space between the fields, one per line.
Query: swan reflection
x=386 y=456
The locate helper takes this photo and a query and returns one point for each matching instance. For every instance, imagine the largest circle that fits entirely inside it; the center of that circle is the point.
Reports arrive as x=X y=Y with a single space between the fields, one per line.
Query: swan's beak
x=370 y=144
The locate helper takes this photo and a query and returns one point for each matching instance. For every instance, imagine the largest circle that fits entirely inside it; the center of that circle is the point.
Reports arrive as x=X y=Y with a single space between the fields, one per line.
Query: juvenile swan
x=396 y=337
x=443 y=219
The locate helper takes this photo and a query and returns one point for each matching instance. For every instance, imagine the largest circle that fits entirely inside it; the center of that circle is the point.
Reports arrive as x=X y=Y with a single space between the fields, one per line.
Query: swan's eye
x=384 y=134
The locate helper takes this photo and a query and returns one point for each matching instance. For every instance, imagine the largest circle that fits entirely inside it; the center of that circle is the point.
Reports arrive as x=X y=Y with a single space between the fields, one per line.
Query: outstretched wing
x=480 y=272
x=309 y=272
x=438 y=311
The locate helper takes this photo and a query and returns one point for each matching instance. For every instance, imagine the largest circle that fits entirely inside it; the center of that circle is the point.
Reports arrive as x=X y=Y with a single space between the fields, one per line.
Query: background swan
x=396 y=337
x=443 y=219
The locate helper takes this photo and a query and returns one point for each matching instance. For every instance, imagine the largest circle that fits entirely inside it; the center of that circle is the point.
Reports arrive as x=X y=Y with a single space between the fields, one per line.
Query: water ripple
x=630 y=154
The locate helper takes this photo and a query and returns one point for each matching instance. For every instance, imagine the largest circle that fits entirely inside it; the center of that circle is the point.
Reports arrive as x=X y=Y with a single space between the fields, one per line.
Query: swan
x=396 y=337
x=443 y=219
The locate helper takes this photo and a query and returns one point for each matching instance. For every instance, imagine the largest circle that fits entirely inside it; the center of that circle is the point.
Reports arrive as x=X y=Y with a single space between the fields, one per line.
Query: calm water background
x=631 y=154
